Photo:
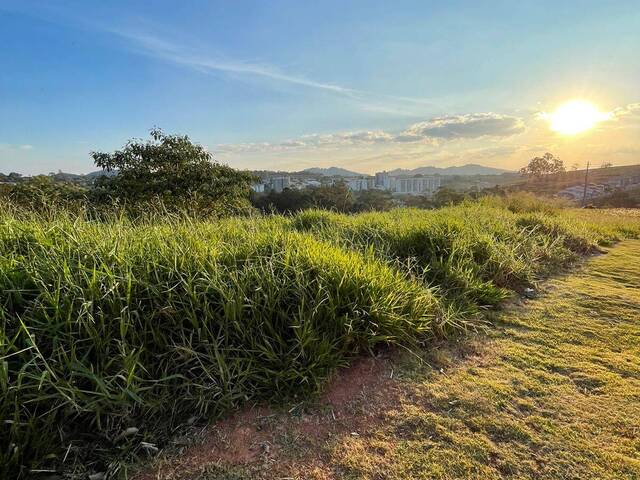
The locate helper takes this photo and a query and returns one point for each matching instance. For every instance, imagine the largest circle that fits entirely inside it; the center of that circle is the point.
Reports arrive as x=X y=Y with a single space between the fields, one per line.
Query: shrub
x=174 y=172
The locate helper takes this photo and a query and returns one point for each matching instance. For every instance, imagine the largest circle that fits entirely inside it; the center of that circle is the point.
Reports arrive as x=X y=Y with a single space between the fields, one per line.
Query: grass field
x=552 y=391
x=115 y=333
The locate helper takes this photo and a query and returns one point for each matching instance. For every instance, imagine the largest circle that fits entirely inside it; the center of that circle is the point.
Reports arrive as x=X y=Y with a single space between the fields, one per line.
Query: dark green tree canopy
x=447 y=196
x=287 y=201
x=336 y=197
x=174 y=170
x=44 y=193
x=373 y=200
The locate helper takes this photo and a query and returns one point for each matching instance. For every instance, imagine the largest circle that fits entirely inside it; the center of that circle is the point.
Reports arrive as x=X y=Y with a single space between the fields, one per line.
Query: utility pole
x=586 y=182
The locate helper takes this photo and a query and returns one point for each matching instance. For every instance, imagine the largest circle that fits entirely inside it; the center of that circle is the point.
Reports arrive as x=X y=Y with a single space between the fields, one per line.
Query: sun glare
x=575 y=116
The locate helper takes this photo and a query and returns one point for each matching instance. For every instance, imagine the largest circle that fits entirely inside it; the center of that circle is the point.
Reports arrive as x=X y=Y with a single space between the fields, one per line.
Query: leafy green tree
x=15 y=177
x=544 y=165
x=418 y=201
x=447 y=196
x=369 y=200
x=287 y=201
x=336 y=197
x=495 y=190
x=173 y=171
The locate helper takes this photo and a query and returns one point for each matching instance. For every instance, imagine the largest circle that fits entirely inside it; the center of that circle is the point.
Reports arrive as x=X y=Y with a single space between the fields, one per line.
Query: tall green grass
x=112 y=333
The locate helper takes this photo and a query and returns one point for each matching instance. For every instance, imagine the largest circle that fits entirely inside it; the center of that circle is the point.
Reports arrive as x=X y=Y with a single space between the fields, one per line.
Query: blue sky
x=290 y=84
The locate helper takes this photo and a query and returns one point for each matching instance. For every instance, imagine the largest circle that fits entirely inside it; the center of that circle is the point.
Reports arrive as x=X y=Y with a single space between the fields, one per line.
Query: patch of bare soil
x=271 y=443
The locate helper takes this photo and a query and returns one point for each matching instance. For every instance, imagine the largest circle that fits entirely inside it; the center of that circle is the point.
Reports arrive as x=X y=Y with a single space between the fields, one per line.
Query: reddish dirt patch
x=354 y=402
x=359 y=379
x=235 y=440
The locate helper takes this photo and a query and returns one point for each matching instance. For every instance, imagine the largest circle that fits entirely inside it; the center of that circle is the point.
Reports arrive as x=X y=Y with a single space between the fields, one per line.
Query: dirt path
x=553 y=391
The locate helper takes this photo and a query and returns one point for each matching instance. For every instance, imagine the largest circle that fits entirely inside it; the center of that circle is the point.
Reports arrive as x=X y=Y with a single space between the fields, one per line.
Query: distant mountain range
x=333 y=172
x=469 y=169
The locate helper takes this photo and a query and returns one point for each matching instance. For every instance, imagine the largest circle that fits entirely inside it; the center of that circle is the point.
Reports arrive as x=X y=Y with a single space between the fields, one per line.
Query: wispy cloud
x=13 y=147
x=629 y=114
x=179 y=54
x=172 y=51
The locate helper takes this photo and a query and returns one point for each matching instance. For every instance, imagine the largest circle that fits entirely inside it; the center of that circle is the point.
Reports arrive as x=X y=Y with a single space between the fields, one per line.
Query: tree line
x=172 y=174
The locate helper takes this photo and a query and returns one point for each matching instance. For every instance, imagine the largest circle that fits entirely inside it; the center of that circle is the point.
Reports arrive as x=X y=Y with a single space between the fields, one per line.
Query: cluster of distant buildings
x=595 y=190
x=272 y=184
x=396 y=184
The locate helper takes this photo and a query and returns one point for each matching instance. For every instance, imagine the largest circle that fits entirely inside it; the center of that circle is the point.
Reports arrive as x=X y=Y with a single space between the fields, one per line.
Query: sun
x=575 y=116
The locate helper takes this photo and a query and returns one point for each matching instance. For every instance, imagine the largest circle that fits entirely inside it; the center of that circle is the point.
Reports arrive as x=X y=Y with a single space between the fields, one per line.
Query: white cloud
x=314 y=140
x=347 y=138
x=430 y=132
x=629 y=114
x=473 y=125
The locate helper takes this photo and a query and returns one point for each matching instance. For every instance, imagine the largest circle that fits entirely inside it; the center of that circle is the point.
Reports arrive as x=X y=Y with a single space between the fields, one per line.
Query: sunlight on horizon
x=575 y=116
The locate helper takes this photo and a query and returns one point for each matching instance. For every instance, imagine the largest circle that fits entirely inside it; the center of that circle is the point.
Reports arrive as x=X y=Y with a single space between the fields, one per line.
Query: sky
x=287 y=85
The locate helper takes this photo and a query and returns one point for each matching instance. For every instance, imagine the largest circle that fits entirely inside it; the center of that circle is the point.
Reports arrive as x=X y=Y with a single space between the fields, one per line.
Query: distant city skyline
x=288 y=85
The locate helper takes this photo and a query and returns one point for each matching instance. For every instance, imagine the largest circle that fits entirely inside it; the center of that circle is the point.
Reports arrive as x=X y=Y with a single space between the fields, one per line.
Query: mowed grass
x=113 y=333
x=552 y=392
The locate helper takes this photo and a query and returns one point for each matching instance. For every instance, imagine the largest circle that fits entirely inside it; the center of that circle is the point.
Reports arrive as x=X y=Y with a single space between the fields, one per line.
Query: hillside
x=123 y=334
x=551 y=184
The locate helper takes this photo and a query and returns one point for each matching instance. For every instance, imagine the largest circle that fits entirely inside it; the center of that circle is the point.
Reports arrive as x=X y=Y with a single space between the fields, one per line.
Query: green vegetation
x=41 y=193
x=114 y=332
x=168 y=174
x=337 y=197
x=553 y=393
x=173 y=171
x=619 y=199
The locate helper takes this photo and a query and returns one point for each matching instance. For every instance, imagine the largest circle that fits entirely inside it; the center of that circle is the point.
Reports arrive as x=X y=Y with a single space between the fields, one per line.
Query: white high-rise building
x=360 y=184
x=417 y=185
x=383 y=180
x=414 y=185
x=277 y=184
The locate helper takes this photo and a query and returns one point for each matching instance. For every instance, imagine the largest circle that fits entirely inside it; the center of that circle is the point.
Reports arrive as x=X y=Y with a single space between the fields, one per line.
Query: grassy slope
x=552 y=392
x=112 y=327
x=555 y=394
